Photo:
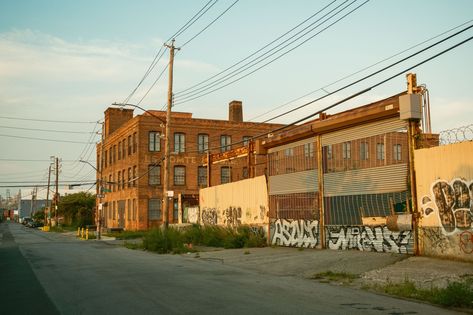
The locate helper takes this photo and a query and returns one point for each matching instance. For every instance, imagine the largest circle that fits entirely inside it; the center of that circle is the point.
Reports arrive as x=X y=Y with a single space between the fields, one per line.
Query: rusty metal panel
x=365 y=131
x=299 y=182
x=375 y=180
x=233 y=204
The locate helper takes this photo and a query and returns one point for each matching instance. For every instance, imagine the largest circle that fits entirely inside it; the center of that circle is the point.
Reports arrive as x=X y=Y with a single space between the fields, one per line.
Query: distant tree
x=77 y=209
x=39 y=215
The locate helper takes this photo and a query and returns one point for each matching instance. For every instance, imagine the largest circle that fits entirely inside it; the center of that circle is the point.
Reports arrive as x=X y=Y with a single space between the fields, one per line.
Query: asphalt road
x=49 y=273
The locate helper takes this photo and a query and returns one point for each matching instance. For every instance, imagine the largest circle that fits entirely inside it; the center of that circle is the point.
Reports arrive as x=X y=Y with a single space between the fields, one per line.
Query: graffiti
x=232 y=216
x=466 y=242
x=453 y=202
x=209 y=216
x=193 y=215
x=366 y=238
x=299 y=233
x=437 y=239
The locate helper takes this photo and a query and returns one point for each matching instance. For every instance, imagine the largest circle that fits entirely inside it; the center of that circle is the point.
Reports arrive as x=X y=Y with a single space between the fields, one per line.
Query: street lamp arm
x=87 y=162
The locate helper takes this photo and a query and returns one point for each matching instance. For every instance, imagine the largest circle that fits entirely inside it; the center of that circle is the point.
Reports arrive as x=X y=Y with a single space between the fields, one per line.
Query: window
x=123 y=149
x=135 y=144
x=225 y=175
x=134 y=176
x=114 y=187
x=380 y=151
x=119 y=179
x=203 y=143
x=128 y=210
x=289 y=152
x=110 y=185
x=105 y=158
x=110 y=153
x=129 y=177
x=154 y=174
x=119 y=150
x=114 y=153
x=364 y=154
x=346 y=150
x=129 y=145
x=154 y=140
x=123 y=179
x=154 y=209
x=225 y=143
x=246 y=140
x=309 y=150
x=245 y=172
x=329 y=152
x=113 y=210
x=134 y=210
x=202 y=176
x=397 y=152
x=179 y=142
x=179 y=175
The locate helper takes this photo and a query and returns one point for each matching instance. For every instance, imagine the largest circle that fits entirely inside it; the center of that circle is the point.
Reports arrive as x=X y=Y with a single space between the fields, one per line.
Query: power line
x=48 y=120
x=47 y=130
x=210 y=24
x=257 y=51
x=200 y=92
x=43 y=139
x=193 y=19
x=33 y=160
x=367 y=89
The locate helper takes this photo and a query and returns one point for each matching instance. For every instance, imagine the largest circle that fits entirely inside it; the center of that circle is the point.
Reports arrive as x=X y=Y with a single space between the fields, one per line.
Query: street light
x=99 y=195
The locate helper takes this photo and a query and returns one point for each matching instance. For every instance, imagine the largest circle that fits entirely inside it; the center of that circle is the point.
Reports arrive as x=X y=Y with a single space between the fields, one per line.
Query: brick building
x=130 y=167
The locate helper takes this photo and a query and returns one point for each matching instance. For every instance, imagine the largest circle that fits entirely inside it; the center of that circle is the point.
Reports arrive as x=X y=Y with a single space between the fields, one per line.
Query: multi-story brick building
x=130 y=168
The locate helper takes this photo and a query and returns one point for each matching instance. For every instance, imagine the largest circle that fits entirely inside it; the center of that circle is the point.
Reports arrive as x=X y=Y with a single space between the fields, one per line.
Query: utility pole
x=100 y=183
x=56 y=196
x=167 y=164
x=46 y=221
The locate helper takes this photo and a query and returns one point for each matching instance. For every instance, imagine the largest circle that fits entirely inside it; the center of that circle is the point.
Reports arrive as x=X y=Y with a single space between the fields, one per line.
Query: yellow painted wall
x=242 y=202
x=444 y=178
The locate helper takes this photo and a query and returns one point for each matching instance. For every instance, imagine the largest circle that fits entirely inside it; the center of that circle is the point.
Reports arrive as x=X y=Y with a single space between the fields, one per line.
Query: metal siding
x=365 y=131
x=375 y=180
x=291 y=145
x=299 y=182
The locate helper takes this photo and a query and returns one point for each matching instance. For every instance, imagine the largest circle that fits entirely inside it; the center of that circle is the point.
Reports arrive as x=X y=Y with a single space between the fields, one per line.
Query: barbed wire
x=456 y=135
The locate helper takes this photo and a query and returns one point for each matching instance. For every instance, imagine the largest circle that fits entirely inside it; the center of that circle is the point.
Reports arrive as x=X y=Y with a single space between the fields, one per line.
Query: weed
x=246 y=252
x=458 y=294
x=127 y=235
x=343 y=277
x=133 y=245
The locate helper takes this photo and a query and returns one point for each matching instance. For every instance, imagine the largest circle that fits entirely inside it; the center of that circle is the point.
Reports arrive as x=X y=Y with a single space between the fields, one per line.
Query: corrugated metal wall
x=444 y=178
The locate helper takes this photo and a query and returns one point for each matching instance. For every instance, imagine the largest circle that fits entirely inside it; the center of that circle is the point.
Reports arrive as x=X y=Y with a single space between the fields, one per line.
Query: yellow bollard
x=78 y=231
x=87 y=234
x=82 y=233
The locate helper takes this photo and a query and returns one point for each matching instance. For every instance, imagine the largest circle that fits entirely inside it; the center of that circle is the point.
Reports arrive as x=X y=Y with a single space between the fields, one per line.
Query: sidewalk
x=372 y=268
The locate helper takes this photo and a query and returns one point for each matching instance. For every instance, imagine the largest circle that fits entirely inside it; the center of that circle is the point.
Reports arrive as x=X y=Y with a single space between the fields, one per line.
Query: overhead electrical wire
x=162 y=50
x=44 y=139
x=257 y=51
x=49 y=120
x=46 y=130
x=212 y=87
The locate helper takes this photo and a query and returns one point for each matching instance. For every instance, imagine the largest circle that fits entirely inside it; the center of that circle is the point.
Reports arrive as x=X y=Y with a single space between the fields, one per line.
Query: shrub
x=164 y=241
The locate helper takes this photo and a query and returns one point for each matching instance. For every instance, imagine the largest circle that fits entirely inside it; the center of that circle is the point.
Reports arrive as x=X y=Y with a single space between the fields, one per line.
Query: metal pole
x=56 y=197
x=100 y=185
x=167 y=140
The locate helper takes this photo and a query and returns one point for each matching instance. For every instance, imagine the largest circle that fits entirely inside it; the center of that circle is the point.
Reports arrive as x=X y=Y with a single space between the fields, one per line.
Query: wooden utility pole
x=56 y=195
x=167 y=149
x=46 y=221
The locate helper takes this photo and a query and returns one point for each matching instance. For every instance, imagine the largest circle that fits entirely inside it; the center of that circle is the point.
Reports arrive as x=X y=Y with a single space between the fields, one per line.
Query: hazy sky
x=69 y=60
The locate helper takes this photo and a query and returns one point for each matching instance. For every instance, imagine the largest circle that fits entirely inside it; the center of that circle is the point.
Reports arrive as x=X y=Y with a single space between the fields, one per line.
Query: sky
x=63 y=62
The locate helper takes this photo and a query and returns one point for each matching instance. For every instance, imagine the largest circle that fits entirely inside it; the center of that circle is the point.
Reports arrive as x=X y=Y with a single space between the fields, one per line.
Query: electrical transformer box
x=410 y=106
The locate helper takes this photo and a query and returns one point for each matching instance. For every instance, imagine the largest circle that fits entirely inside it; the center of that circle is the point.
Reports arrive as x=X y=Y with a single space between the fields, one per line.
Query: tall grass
x=172 y=240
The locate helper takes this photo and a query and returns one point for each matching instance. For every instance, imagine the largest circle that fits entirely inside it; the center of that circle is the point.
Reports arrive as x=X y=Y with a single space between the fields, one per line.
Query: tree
x=77 y=209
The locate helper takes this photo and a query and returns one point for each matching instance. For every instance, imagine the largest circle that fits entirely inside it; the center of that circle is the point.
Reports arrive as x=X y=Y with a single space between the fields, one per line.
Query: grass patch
x=63 y=228
x=456 y=294
x=134 y=246
x=329 y=276
x=180 y=241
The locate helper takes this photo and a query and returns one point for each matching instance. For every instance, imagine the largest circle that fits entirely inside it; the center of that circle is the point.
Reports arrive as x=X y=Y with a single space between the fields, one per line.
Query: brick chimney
x=235 y=111
x=115 y=118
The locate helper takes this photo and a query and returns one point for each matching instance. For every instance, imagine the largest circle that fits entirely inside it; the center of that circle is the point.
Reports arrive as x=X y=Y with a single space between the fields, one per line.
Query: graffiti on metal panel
x=232 y=216
x=453 y=203
x=366 y=238
x=466 y=242
x=299 y=233
x=209 y=216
